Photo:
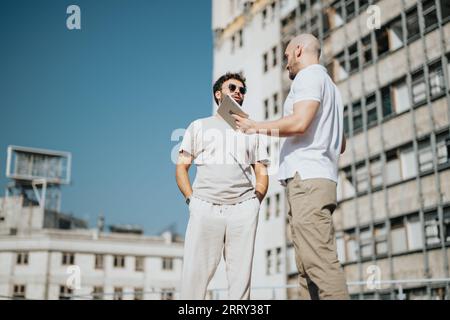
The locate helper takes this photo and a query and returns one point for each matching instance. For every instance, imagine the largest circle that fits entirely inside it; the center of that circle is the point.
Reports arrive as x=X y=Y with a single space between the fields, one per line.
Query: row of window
x=274 y=261
x=395 y=98
x=273 y=55
x=401 y=164
x=268 y=11
x=387 y=39
x=322 y=21
x=406 y=235
x=271 y=107
x=68 y=258
x=65 y=293
x=269 y=200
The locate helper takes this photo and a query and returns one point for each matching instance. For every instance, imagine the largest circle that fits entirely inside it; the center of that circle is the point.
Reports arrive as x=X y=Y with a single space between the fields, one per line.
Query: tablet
x=228 y=107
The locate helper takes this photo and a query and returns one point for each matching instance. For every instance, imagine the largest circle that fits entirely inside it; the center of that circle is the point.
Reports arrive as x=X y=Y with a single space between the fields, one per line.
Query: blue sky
x=111 y=94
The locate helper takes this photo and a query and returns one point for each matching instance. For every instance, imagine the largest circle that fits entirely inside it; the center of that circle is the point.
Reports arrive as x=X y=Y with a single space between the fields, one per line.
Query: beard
x=292 y=75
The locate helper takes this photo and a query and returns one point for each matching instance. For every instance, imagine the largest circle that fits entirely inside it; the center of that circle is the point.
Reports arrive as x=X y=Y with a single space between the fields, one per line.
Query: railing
x=438 y=288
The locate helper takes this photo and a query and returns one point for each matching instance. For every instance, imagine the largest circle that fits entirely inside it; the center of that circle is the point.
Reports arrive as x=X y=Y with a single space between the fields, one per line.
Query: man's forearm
x=183 y=182
x=285 y=127
x=262 y=181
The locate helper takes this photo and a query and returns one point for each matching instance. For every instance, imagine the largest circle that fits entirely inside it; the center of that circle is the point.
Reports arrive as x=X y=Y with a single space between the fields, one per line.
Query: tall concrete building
x=390 y=60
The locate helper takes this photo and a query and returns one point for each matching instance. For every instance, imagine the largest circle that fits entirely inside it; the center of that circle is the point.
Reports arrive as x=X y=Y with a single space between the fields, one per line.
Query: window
x=267 y=208
x=241 y=38
x=353 y=57
x=65 y=293
x=436 y=75
x=22 y=258
x=315 y=26
x=398 y=236
x=425 y=156
x=432 y=229
x=274 y=56
x=419 y=89
x=265 y=62
x=279 y=260
x=395 y=31
x=325 y=24
x=392 y=167
x=363 y=4
x=447 y=224
x=167 y=263
x=371 y=107
x=337 y=14
x=408 y=163
x=381 y=246
x=266 y=109
x=357 y=116
x=268 y=262
x=119 y=261
x=350 y=9
x=138 y=294
x=275 y=103
x=348 y=184
x=429 y=14
x=362 y=179
x=340 y=247
x=382 y=38
x=346 y=121
x=342 y=72
x=68 y=259
x=264 y=17
x=118 y=293
x=443 y=148
x=233 y=43
x=412 y=24
x=97 y=293
x=365 y=243
x=414 y=231
x=139 y=263
x=19 y=291
x=351 y=245
x=401 y=96
x=445 y=10
x=98 y=261
x=277 y=205
x=376 y=174
x=386 y=101
x=366 y=46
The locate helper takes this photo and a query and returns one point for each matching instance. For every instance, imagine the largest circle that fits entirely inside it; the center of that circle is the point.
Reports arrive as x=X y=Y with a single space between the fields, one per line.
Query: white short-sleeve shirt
x=223 y=158
x=314 y=154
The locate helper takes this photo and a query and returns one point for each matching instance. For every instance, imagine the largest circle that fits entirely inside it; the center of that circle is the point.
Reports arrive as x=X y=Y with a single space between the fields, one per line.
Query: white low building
x=71 y=261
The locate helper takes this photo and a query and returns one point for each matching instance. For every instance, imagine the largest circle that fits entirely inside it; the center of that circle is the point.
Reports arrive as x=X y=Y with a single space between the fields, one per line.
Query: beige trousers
x=214 y=230
x=311 y=205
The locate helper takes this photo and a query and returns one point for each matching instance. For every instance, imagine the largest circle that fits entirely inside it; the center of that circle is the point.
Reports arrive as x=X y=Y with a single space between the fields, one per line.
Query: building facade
x=390 y=60
x=66 y=260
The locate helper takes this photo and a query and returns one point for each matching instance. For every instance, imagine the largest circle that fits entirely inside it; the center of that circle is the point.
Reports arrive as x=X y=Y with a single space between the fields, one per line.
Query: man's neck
x=308 y=63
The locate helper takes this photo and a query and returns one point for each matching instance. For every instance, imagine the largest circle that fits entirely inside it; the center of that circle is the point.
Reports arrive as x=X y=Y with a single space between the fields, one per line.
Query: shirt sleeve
x=308 y=86
x=188 y=143
x=261 y=150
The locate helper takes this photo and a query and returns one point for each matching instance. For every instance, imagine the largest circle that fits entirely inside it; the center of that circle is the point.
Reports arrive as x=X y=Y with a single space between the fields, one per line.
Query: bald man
x=313 y=127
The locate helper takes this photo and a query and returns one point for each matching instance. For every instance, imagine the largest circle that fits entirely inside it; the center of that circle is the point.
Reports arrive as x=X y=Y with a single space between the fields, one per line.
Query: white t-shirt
x=223 y=158
x=314 y=154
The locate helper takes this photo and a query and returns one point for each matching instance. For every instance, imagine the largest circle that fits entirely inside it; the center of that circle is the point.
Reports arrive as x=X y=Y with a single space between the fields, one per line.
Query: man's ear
x=298 y=51
x=218 y=95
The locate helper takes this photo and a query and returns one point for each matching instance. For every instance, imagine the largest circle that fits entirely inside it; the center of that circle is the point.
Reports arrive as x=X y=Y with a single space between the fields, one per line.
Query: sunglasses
x=233 y=87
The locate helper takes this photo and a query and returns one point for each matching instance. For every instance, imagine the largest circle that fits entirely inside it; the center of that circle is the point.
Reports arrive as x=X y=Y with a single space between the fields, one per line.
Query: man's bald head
x=309 y=44
x=302 y=51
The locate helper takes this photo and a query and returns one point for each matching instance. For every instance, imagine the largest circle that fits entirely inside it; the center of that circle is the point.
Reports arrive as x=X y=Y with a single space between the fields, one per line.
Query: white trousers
x=212 y=230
